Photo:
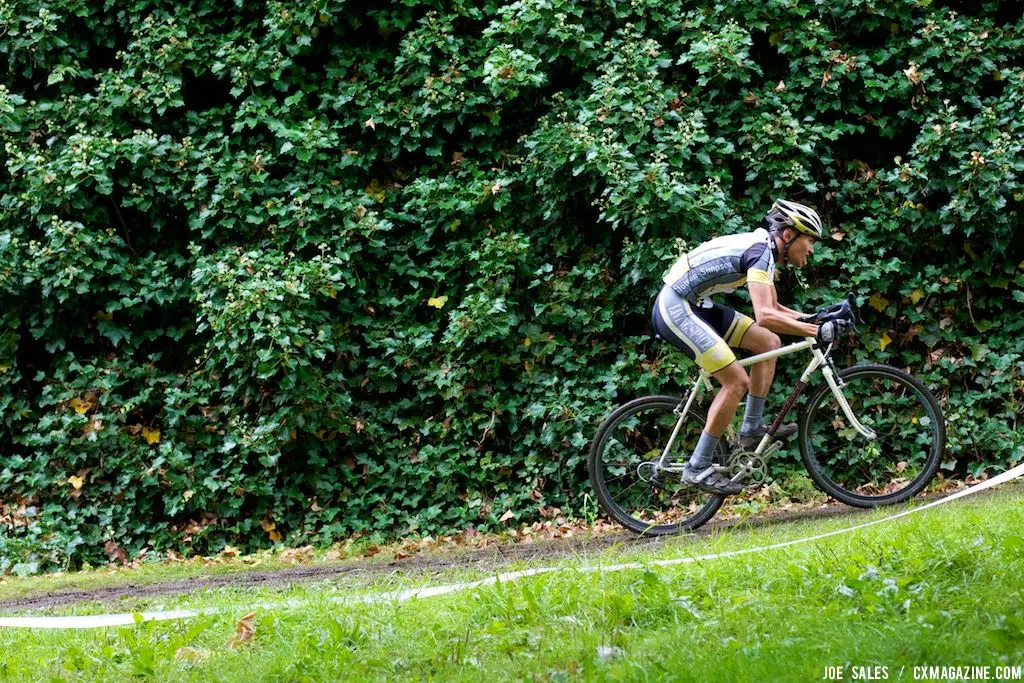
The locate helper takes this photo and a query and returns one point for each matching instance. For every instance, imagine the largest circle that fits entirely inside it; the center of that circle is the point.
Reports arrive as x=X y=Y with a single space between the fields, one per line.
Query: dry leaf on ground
x=245 y=629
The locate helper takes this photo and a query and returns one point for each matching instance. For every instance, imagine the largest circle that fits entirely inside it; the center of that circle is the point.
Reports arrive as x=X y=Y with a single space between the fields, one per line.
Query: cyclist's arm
x=796 y=315
x=769 y=314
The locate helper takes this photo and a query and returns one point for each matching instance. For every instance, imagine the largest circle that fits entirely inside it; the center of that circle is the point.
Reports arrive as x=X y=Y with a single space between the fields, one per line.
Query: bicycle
x=870 y=435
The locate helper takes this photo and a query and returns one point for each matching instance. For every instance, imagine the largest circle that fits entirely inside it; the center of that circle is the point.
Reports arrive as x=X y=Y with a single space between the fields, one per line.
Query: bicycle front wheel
x=910 y=437
x=622 y=464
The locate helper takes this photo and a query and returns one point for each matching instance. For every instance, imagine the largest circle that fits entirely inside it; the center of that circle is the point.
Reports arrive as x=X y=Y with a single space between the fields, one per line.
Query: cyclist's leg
x=676 y=321
x=760 y=340
x=735 y=385
x=741 y=331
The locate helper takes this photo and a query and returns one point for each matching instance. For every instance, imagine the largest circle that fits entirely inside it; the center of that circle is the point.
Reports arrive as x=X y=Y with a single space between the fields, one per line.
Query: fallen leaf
x=507 y=516
x=114 y=552
x=297 y=555
x=781 y=86
x=878 y=303
x=916 y=296
x=912 y=75
x=76 y=482
x=838 y=235
x=275 y=536
x=245 y=629
x=370 y=123
x=151 y=436
x=437 y=301
x=884 y=341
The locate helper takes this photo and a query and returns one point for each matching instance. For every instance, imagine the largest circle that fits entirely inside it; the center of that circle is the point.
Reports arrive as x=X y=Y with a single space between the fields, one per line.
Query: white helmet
x=785 y=214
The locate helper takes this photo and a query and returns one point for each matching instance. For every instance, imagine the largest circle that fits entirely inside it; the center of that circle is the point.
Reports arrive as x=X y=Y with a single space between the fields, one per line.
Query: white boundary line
x=129 y=619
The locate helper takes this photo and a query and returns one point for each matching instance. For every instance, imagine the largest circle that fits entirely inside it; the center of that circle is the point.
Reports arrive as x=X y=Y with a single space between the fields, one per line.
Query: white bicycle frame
x=819 y=360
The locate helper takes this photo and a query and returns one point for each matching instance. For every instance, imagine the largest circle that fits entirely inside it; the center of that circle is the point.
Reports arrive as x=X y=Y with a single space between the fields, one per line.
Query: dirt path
x=424 y=564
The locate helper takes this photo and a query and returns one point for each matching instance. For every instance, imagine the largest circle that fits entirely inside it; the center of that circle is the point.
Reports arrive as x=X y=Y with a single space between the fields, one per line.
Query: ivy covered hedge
x=331 y=267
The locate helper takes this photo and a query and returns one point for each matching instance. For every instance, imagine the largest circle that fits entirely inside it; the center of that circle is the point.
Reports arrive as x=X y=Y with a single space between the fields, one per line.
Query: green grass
x=939 y=588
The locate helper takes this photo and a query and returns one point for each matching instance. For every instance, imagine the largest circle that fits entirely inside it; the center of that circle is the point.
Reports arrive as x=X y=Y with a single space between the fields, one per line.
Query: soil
x=424 y=564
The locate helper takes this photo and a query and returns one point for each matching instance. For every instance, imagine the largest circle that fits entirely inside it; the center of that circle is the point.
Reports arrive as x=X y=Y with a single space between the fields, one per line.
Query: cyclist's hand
x=830 y=330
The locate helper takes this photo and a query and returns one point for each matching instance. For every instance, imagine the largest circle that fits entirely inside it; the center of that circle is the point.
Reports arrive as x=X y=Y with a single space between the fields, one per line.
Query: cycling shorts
x=704 y=333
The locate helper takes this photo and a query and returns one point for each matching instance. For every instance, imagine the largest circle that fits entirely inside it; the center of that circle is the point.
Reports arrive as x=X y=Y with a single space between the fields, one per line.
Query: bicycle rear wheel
x=622 y=455
x=910 y=429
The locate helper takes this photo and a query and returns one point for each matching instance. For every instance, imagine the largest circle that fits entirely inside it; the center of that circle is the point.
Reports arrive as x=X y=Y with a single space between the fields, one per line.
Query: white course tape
x=102 y=620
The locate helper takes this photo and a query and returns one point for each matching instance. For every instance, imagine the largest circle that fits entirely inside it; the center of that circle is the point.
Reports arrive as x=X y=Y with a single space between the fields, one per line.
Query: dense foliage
x=332 y=267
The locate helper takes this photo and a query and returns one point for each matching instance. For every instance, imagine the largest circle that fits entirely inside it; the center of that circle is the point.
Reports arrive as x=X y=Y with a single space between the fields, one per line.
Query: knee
x=738 y=386
x=774 y=342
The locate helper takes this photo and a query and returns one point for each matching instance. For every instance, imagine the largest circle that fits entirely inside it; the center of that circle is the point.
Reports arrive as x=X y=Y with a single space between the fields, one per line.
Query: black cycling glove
x=830 y=330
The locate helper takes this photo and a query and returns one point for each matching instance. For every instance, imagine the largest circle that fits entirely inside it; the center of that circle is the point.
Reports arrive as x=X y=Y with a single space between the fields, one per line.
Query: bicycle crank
x=749 y=467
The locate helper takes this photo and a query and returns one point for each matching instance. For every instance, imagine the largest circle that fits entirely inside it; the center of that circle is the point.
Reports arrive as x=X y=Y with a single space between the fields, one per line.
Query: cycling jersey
x=721 y=265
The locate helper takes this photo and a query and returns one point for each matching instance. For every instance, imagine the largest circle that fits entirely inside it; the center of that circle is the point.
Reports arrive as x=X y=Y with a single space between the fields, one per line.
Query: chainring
x=752 y=467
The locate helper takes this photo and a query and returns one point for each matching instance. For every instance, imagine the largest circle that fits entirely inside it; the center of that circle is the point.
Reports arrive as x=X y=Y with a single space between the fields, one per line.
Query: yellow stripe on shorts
x=740 y=325
x=716 y=358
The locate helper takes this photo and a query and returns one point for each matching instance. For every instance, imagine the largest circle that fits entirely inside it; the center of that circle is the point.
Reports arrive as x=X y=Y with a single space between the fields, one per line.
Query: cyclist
x=685 y=316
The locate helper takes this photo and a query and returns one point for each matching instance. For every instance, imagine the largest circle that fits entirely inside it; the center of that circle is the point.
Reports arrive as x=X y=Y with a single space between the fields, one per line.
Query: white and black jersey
x=723 y=264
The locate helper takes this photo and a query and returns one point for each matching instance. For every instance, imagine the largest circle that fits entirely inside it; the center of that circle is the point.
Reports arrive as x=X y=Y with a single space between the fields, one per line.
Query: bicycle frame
x=820 y=360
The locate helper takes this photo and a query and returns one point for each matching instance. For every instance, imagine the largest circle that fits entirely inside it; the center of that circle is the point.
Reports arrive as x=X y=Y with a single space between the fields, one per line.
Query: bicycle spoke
x=627 y=456
x=902 y=453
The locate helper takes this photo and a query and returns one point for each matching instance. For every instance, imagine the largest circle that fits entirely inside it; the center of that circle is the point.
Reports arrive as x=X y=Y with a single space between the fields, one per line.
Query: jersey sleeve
x=759 y=265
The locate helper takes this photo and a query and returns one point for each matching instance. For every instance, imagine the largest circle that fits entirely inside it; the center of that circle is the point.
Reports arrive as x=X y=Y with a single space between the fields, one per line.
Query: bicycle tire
x=814 y=458
x=596 y=468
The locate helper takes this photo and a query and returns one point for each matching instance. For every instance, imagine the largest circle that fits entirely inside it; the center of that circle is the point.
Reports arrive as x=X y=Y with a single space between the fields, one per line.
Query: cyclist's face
x=800 y=250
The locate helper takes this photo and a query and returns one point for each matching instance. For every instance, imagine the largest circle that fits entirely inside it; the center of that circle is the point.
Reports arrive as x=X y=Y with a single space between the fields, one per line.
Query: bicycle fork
x=836 y=384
